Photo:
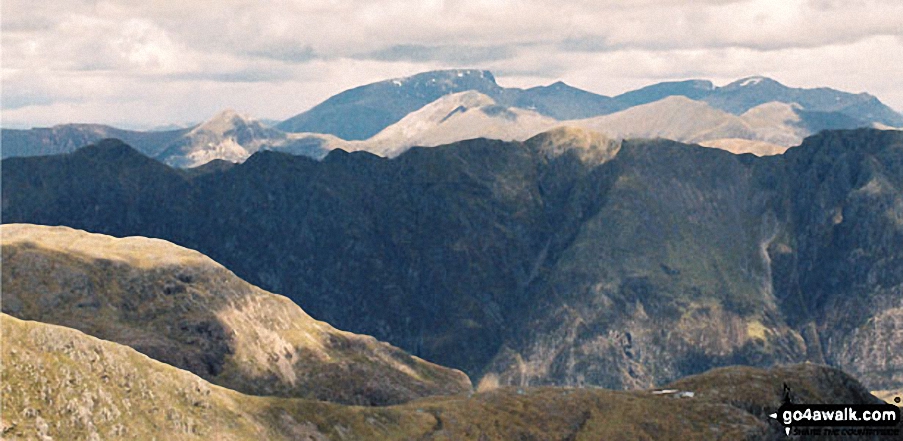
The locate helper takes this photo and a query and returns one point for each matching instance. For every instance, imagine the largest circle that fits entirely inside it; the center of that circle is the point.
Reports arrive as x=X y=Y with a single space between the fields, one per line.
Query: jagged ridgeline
x=180 y=307
x=567 y=259
x=59 y=383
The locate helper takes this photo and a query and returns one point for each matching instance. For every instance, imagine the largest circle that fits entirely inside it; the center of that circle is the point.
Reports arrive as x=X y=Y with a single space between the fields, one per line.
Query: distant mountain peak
x=453 y=117
x=226 y=113
x=702 y=84
x=108 y=146
x=113 y=151
x=225 y=120
x=361 y=112
x=227 y=135
x=452 y=75
x=677 y=101
x=693 y=89
x=590 y=146
x=691 y=84
x=753 y=81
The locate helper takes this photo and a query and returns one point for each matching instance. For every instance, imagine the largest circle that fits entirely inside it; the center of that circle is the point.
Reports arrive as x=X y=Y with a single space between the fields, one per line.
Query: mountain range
x=360 y=113
x=568 y=259
x=753 y=115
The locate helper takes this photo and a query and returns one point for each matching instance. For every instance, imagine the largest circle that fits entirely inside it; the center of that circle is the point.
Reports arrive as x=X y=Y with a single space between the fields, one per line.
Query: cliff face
x=839 y=265
x=178 y=306
x=59 y=383
x=561 y=260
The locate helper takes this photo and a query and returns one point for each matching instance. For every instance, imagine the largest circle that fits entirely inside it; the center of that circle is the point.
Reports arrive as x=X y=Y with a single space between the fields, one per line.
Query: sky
x=146 y=64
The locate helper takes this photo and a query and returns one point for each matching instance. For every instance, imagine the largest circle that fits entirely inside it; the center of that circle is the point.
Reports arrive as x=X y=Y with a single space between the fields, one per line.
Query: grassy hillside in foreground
x=59 y=383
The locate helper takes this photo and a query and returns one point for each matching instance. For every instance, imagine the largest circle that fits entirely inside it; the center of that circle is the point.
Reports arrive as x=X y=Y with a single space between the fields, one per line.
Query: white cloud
x=156 y=62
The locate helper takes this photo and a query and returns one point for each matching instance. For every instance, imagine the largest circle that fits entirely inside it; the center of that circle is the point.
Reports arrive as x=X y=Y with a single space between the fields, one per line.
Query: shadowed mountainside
x=563 y=260
x=178 y=306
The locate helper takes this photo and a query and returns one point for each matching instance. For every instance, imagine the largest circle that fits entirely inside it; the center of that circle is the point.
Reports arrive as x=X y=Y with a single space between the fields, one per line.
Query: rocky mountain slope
x=60 y=383
x=564 y=260
x=178 y=306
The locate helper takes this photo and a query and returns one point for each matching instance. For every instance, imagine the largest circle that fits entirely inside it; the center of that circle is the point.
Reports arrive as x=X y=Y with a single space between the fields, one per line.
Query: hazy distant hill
x=746 y=93
x=180 y=307
x=567 y=259
x=453 y=118
x=561 y=101
x=676 y=118
x=682 y=119
x=66 y=138
x=692 y=89
x=226 y=136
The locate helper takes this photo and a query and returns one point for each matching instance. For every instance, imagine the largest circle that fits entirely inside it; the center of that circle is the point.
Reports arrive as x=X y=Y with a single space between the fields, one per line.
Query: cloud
x=289 y=53
x=459 y=55
x=277 y=58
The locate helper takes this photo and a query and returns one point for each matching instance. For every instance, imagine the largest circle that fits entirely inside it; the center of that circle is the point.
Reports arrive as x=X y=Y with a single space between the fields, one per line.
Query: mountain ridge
x=538 y=264
x=359 y=118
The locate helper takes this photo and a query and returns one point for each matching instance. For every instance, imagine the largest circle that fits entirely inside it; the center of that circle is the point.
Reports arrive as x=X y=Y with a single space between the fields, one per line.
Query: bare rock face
x=842 y=269
x=180 y=307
